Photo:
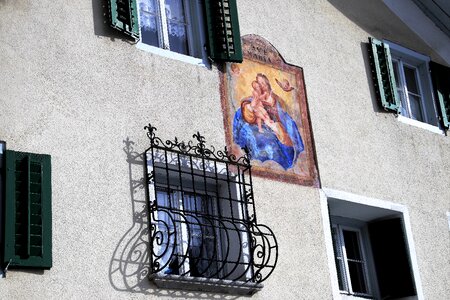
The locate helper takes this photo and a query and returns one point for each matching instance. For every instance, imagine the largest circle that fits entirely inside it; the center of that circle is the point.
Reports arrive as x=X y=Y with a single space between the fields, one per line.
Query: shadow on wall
x=377 y=19
x=100 y=15
x=373 y=95
x=129 y=264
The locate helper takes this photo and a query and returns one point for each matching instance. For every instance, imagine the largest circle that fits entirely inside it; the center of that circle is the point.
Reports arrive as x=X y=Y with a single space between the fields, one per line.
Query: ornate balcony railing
x=203 y=225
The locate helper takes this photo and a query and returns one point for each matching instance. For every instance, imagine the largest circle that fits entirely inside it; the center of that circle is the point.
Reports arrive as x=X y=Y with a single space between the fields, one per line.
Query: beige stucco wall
x=73 y=88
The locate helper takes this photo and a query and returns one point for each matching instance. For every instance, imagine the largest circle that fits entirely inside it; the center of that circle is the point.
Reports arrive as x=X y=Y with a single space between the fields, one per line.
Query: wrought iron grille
x=202 y=214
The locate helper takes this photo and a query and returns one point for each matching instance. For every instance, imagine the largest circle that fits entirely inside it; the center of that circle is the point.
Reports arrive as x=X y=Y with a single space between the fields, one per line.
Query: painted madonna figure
x=263 y=125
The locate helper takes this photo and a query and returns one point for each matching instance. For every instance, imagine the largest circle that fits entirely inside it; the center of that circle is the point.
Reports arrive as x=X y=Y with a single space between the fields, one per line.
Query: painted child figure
x=258 y=108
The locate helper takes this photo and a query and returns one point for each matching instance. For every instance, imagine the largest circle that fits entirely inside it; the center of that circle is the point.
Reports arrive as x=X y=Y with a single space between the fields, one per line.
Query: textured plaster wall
x=74 y=89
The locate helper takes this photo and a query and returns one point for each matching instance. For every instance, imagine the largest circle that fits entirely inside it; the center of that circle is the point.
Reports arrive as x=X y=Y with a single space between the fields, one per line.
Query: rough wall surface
x=73 y=88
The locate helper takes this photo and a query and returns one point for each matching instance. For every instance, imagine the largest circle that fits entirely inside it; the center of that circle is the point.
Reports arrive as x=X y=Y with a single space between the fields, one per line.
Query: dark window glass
x=149 y=21
x=339 y=260
x=411 y=82
x=352 y=247
x=354 y=261
x=176 y=24
x=356 y=270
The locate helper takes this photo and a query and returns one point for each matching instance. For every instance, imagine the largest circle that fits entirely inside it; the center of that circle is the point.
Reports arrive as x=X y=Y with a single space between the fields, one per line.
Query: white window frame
x=362 y=241
x=327 y=194
x=420 y=63
x=403 y=87
x=163 y=34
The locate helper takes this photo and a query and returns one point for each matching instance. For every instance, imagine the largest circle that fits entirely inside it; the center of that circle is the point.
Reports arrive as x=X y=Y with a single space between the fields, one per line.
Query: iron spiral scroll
x=198 y=149
x=202 y=214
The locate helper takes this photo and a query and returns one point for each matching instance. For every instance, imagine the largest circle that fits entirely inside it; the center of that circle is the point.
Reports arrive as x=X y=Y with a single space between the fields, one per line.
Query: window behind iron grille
x=202 y=217
x=202 y=239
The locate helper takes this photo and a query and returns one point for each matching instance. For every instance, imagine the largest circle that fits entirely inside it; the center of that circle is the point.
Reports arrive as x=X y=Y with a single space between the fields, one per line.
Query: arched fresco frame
x=276 y=126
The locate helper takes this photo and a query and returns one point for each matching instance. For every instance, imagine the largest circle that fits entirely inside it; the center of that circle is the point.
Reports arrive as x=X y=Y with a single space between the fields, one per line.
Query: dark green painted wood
x=383 y=74
x=441 y=83
x=224 y=39
x=123 y=16
x=28 y=206
x=28 y=221
x=10 y=207
x=46 y=189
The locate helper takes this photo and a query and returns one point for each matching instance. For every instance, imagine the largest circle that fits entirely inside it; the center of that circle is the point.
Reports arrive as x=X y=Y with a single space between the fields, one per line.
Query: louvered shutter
x=441 y=84
x=28 y=224
x=224 y=39
x=123 y=16
x=383 y=75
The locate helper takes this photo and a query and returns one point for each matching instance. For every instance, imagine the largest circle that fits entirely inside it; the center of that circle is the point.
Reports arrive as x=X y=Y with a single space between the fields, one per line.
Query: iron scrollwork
x=202 y=213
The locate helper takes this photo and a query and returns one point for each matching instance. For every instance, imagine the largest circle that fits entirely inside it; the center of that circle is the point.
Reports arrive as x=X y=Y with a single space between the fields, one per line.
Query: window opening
x=408 y=87
x=350 y=260
x=202 y=215
x=369 y=247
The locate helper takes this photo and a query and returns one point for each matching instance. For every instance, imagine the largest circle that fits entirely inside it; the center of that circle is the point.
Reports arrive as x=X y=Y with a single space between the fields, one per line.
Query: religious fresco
x=265 y=110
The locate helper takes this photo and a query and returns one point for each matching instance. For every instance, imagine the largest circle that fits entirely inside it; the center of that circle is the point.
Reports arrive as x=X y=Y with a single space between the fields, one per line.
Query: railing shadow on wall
x=129 y=266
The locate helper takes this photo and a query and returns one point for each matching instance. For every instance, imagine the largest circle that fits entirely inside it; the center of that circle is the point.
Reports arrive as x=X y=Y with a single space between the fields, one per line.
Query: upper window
x=413 y=85
x=175 y=25
x=203 y=220
x=404 y=84
x=194 y=28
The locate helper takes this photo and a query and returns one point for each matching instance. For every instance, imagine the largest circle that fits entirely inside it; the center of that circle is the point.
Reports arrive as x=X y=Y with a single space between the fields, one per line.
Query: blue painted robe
x=266 y=145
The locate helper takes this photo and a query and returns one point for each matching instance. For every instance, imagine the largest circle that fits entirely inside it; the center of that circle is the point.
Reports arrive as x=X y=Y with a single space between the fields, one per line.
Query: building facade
x=375 y=223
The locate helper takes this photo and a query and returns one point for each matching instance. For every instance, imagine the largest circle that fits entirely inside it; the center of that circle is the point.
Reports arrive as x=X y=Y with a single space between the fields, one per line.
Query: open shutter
x=391 y=256
x=224 y=39
x=441 y=84
x=383 y=75
x=123 y=16
x=28 y=224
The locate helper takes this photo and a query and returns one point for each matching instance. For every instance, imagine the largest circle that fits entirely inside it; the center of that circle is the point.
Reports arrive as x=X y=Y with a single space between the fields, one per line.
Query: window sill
x=345 y=296
x=205 y=284
x=173 y=55
x=419 y=124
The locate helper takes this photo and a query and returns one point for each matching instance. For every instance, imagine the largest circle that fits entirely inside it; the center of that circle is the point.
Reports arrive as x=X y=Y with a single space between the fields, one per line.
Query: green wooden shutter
x=383 y=74
x=441 y=84
x=123 y=16
x=224 y=39
x=28 y=223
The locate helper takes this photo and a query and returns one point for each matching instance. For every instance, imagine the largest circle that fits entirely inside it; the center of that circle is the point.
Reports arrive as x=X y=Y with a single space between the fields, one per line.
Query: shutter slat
x=28 y=211
x=46 y=193
x=10 y=207
x=224 y=40
x=383 y=75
